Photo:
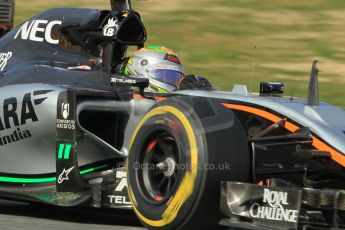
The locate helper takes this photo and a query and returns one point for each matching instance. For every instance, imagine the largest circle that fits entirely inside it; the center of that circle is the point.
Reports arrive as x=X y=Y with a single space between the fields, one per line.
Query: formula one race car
x=191 y=159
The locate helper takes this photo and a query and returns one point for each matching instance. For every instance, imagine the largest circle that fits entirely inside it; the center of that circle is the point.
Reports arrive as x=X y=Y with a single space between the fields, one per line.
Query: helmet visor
x=167 y=76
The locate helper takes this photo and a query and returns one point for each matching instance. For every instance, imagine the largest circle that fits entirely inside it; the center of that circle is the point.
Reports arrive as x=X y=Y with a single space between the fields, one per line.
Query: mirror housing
x=271 y=89
x=120 y=5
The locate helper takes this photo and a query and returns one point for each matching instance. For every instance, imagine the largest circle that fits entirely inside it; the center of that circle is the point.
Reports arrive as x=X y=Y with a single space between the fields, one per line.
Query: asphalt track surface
x=24 y=216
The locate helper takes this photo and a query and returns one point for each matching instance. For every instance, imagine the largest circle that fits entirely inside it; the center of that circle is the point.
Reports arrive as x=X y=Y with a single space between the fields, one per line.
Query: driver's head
x=160 y=65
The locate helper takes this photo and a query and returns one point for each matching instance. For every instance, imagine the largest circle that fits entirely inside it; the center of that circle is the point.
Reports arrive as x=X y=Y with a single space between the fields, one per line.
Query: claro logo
x=38 y=31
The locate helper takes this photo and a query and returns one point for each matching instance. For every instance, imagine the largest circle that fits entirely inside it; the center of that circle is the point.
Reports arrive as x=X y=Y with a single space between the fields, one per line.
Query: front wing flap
x=252 y=206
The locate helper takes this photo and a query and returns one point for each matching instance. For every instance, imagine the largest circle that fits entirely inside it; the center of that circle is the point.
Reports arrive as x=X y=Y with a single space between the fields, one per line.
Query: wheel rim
x=159 y=172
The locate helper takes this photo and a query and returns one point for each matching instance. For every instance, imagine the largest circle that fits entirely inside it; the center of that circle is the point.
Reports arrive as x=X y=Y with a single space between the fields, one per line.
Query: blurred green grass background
x=216 y=39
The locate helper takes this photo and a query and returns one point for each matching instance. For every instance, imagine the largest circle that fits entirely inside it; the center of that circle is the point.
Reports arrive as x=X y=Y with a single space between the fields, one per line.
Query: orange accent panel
x=137 y=96
x=335 y=155
x=289 y=126
x=317 y=143
x=158 y=99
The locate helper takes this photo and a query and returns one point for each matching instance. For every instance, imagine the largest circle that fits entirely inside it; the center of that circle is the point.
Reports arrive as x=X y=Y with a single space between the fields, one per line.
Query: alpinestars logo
x=64 y=175
x=274 y=208
x=111 y=27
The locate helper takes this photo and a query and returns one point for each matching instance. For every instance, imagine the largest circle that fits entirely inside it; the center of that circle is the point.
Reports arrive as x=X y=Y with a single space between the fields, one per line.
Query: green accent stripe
x=44 y=180
x=159 y=89
x=92 y=169
x=27 y=180
x=61 y=147
x=67 y=151
x=153 y=47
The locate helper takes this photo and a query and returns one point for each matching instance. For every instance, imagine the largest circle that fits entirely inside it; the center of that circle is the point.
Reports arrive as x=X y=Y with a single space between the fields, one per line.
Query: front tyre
x=179 y=153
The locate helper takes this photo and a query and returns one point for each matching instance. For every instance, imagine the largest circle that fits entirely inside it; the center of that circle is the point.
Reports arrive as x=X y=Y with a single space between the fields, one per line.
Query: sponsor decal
x=122 y=176
x=38 y=31
x=65 y=110
x=64 y=175
x=4 y=57
x=123 y=80
x=144 y=62
x=19 y=115
x=172 y=58
x=275 y=206
x=122 y=200
x=111 y=27
x=17 y=135
x=120 y=197
x=64 y=151
x=65 y=123
x=15 y=115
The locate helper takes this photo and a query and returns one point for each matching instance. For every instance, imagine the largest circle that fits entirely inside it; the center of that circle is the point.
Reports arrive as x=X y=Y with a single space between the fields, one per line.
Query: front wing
x=251 y=206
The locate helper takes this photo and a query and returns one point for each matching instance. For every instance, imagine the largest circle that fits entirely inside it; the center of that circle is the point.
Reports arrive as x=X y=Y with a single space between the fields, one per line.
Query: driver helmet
x=160 y=65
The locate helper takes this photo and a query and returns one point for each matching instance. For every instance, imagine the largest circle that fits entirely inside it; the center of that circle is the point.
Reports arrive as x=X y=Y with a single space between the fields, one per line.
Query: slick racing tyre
x=179 y=153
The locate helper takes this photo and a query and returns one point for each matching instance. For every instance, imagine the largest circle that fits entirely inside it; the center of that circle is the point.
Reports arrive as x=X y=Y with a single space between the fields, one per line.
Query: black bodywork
x=80 y=42
x=45 y=53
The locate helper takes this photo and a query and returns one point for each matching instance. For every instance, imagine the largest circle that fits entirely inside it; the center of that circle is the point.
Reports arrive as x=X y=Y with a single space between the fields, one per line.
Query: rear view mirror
x=120 y=5
x=132 y=31
x=268 y=89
